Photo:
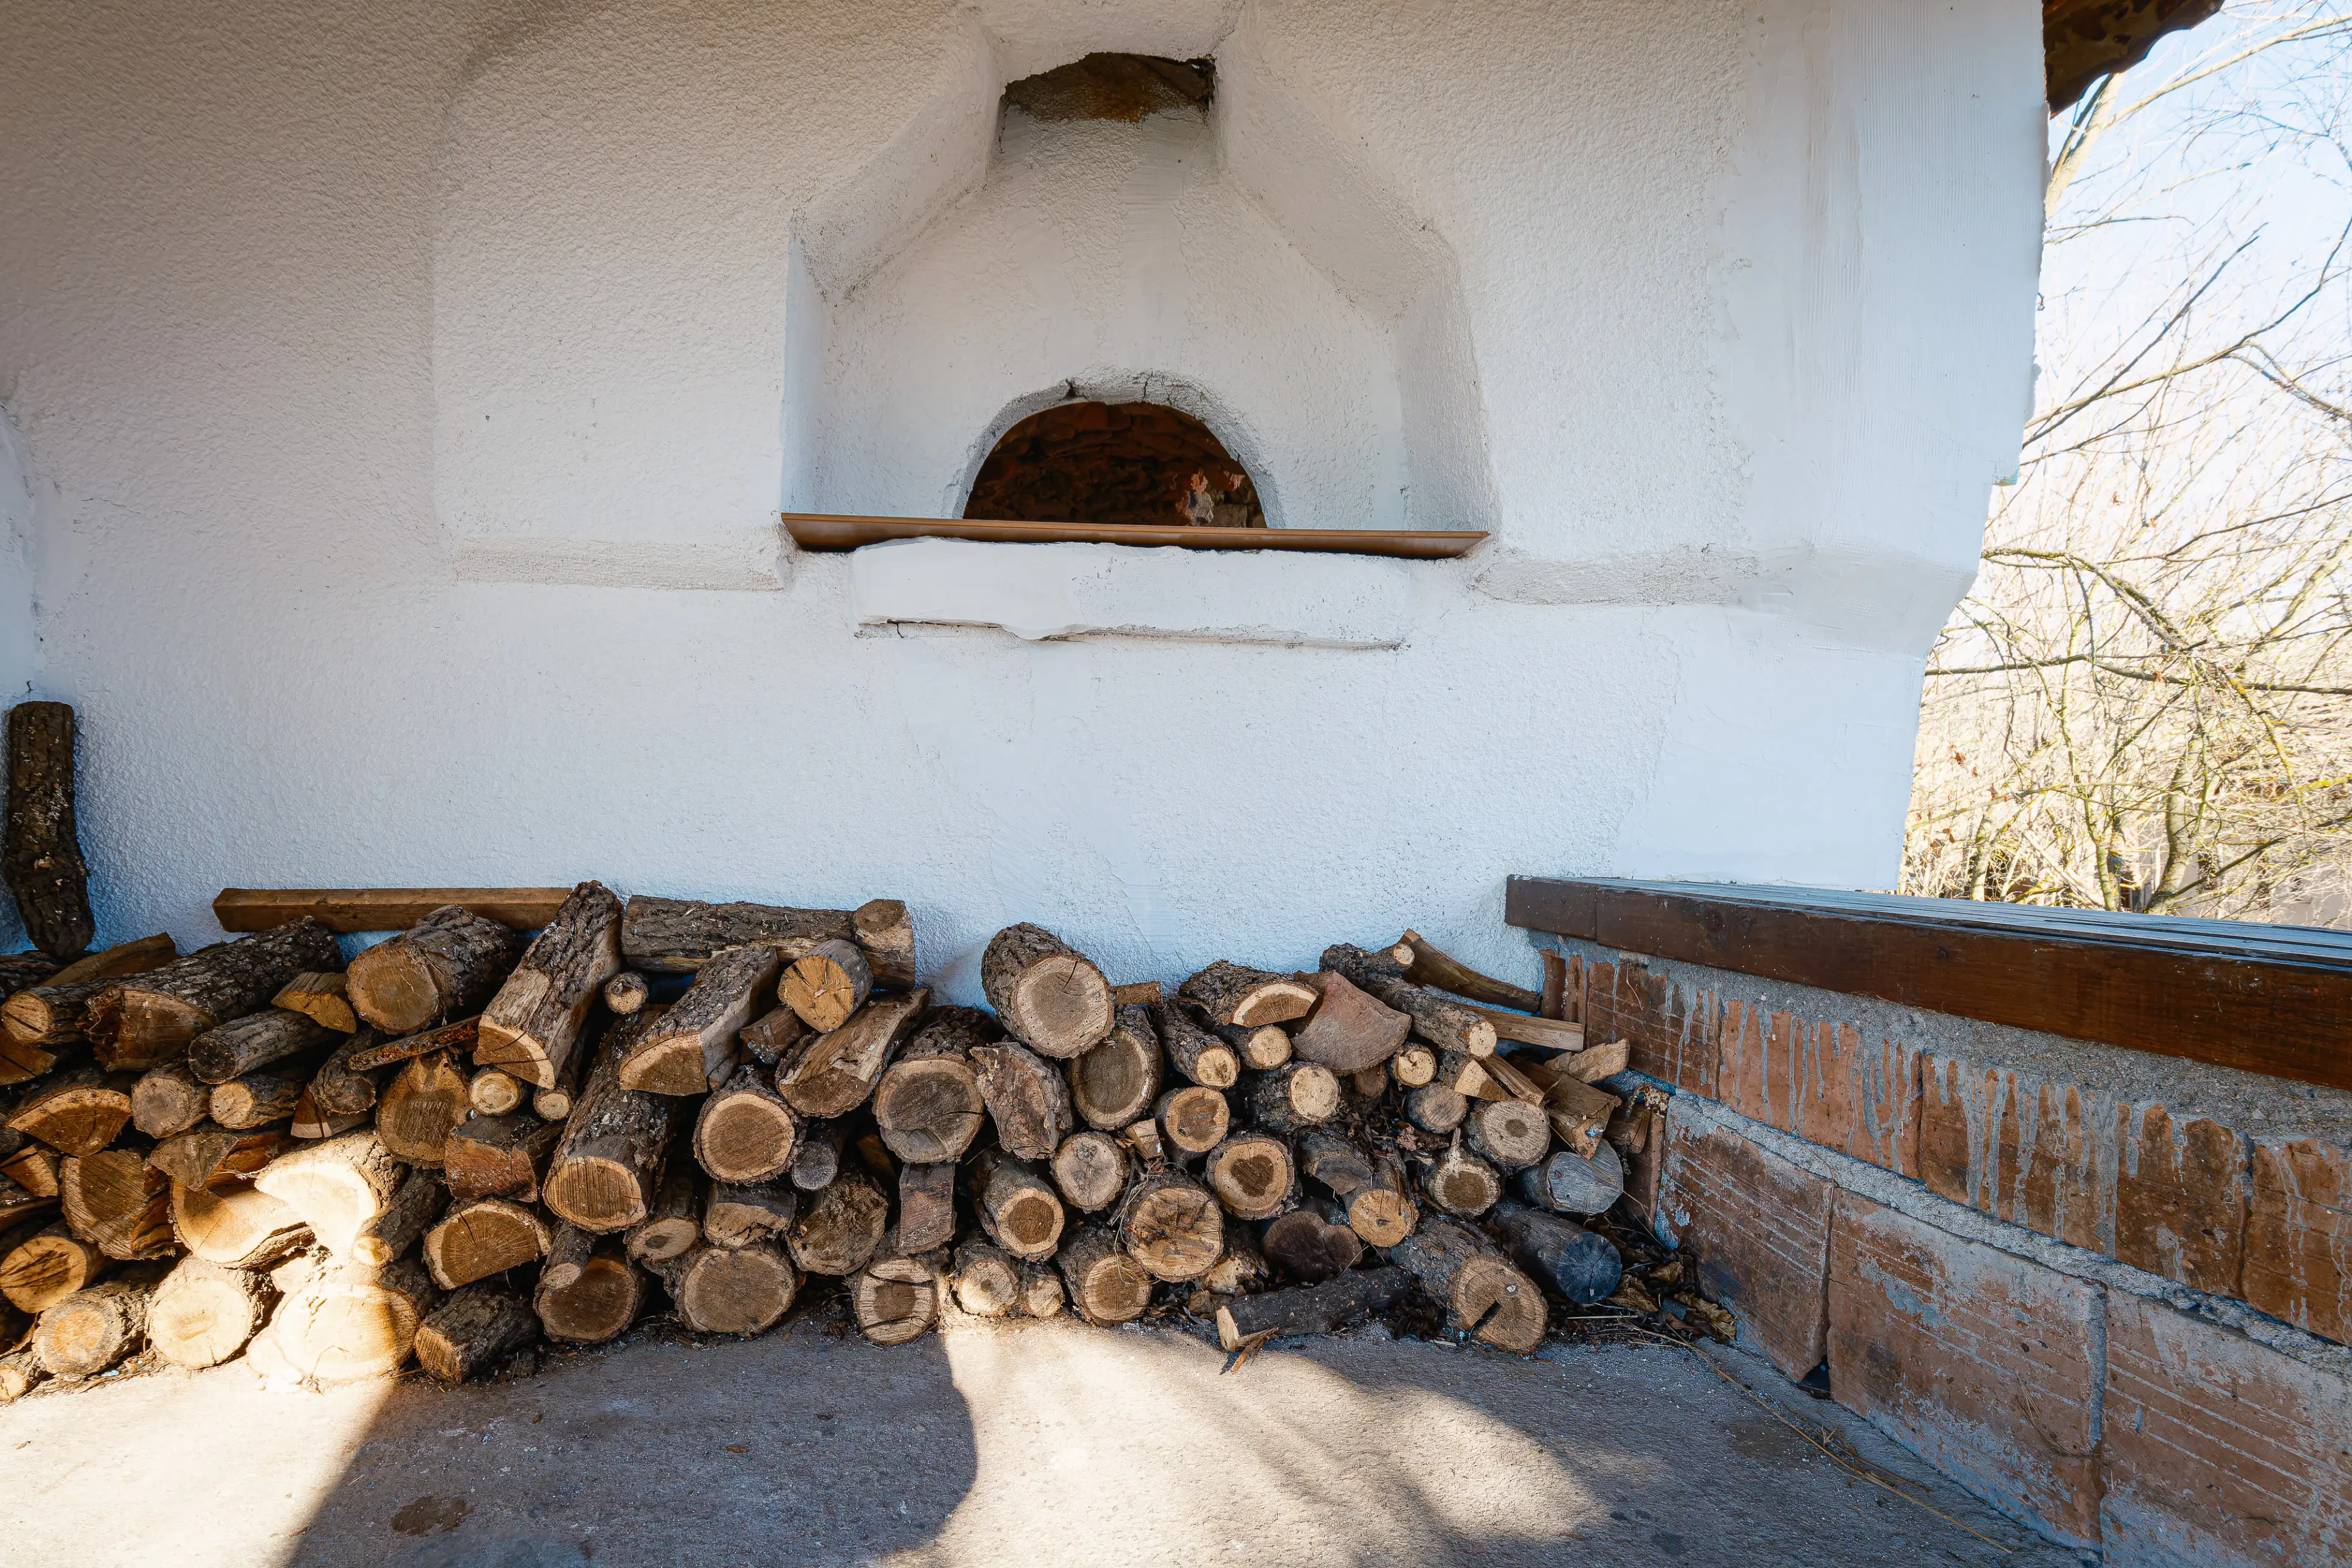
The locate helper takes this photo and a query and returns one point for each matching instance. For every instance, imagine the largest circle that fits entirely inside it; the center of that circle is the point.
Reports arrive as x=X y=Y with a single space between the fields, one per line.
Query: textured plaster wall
x=410 y=388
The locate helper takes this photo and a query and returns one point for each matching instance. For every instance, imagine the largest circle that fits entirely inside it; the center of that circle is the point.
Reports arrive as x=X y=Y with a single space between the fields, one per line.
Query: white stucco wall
x=413 y=388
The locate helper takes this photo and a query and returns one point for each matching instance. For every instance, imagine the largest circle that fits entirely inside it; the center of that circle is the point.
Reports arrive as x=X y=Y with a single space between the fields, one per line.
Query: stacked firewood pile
x=463 y=1142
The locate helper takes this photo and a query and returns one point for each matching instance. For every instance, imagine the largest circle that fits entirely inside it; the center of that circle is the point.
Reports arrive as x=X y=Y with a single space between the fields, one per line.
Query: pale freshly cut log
x=1262 y=1048
x=745 y=1131
x=323 y=996
x=50 y=1011
x=986 y=1280
x=1516 y=1083
x=734 y=1290
x=1017 y=1207
x=204 y=1313
x=209 y=1153
x=1461 y=1183
x=1252 y=1175
x=486 y=1236
x=168 y=1100
x=116 y=1202
x=817 y=1160
x=693 y=1048
x=737 y=1215
x=498 y=1157
x=1483 y=1295
x=1324 y=1308
x=827 y=984
x=1192 y=1120
x=1424 y=964
x=47 y=1267
x=589 y=1291
x=887 y=933
x=890 y=1311
x=1594 y=1063
x=248 y=1044
x=21 y=1372
x=626 y=992
x=1026 y=1097
x=1243 y=1269
x=1508 y=1134
x=1106 y=1285
x=1090 y=1170
x=1114 y=1084
x=1308 y=1245
x=446 y=965
x=1235 y=993
x=1046 y=991
x=679 y=936
x=92 y=1330
x=348 y=1320
x=927 y=1215
x=79 y=1114
x=40 y=852
x=1570 y=1183
x=474 y=1330
x=394 y=1231
x=145 y=1020
x=336 y=1186
x=531 y=1028
x=1172 y=1225
x=236 y=1225
x=771 y=1036
x=1041 y=1293
x=927 y=1106
x=1292 y=1098
x=256 y=1100
x=674 y=1223
x=421 y=1108
x=1349 y=1031
x=832 y=1074
x=1449 y=1025
x=1551 y=1034
x=1582 y=1266
x=463 y=1035
x=1414 y=1065
x=490 y=1092
x=1203 y=1057
x=604 y=1173
x=841 y=1227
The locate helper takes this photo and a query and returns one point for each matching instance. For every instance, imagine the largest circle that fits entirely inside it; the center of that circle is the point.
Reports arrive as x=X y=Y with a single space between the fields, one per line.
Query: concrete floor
x=1026 y=1444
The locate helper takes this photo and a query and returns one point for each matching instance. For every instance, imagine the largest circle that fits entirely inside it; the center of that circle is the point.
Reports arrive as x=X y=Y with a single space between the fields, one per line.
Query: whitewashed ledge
x=1290 y=599
x=747 y=561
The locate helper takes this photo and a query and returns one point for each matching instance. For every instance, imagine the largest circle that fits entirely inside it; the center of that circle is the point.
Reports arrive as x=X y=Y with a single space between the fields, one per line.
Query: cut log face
x=1192 y=1120
x=1293 y=1098
x=255 y=1100
x=209 y=1153
x=736 y=1290
x=1105 y=1284
x=589 y=1291
x=1090 y=1170
x=1461 y=1183
x=169 y=1100
x=737 y=1215
x=1114 y=1084
x=673 y=1224
x=693 y=1049
x=1252 y=1175
x=626 y=992
x=40 y=854
x=423 y=1105
x=475 y=1240
x=34 y=1168
x=1308 y=1245
x=1570 y=1183
x=1261 y=1049
x=532 y=1025
x=1041 y=1293
x=927 y=1106
x=1579 y=1263
x=490 y=1092
x=47 y=1010
x=1235 y=993
x=145 y=1020
x=745 y=1133
x=203 y=1313
x=236 y=1227
x=679 y=936
x=79 y=1115
x=1483 y=1296
x=770 y=1037
x=1046 y=991
x=310 y=1121
x=336 y=1186
x=44 y=1269
x=987 y=1281
x=1026 y=1098
x=1435 y=1107
x=473 y=1331
x=887 y=933
x=446 y=965
x=118 y=1203
x=21 y=1372
x=1203 y=1057
x=92 y=1330
x=827 y=984
x=1349 y=1031
x=248 y=1045
x=323 y=997
x=832 y=1074
x=1508 y=1134
x=818 y=1159
x=893 y=1312
x=1324 y=1308
x=841 y=1227
x=1171 y=1224
x=352 y=1321
x=1017 y=1207
x=1414 y=1065
x=498 y=1157
x=927 y=1215
x=606 y=1170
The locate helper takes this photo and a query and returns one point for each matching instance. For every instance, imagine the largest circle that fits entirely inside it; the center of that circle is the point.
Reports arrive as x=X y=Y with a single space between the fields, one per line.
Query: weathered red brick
x=1815 y=1078
x=2299 y=1236
x=2120 y=1178
x=1987 y=1364
x=1757 y=1229
x=1672 y=1036
x=2219 y=1450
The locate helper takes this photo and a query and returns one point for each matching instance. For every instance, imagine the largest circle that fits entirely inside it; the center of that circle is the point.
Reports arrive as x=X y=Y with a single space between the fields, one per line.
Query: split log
x=825 y=984
x=337 y=1186
x=421 y=1108
x=248 y=1045
x=626 y=992
x=1192 y=1120
x=21 y=1372
x=210 y=1153
x=47 y=1267
x=486 y=1236
x=40 y=854
x=1468 y=1076
x=1580 y=1112
x=348 y=1320
x=606 y=1170
x=1462 y=1183
x=746 y=1133
x=34 y=1168
x=50 y=1012
x=737 y=1215
x=986 y=1280
x=168 y=1101
x=926 y=1214
x=1307 y=1245
x=118 y=1203
x=679 y=936
x=771 y=1036
x=1508 y=1134
x=445 y=966
x=1483 y=1295
x=1370 y=1192
x=490 y=1092
x=1447 y=1025
x=396 y=1231
x=1172 y=1225
x=80 y=1113
x=473 y=1331
x=1414 y=1065
x=1243 y=1269
x=885 y=933
x=309 y=1122
x=1235 y=993
x=693 y=1048
x=1293 y=1098
x=256 y=1100
x=817 y=1160
x=1581 y=1265
x=321 y=995
x=928 y=1107
x=1047 y=993
x=92 y=1330
x=1114 y=1084
x=1017 y=1207
x=531 y=1028
x=734 y=1290
x=123 y=958
x=1106 y=1285
x=1090 y=1170
x=145 y=1020
x=1516 y=1082
x=1324 y=1308
x=22 y=1063
x=1596 y=1062
x=463 y=1035
x=1144 y=1139
x=833 y=1074
x=1349 y=1031
x=1262 y=1048
x=1200 y=1056
x=1570 y=1183
x=498 y=1157
x=893 y=1310
x=1424 y=964
x=237 y=1225
x=203 y=1313
x=1040 y=1293
x=674 y=1223
x=841 y=1227
x=1551 y=1034
x=1026 y=1098
x=589 y=1291
x=1251 y=1173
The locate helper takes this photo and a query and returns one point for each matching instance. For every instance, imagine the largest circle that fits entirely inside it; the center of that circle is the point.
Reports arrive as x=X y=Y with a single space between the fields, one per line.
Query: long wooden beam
x=381 y=908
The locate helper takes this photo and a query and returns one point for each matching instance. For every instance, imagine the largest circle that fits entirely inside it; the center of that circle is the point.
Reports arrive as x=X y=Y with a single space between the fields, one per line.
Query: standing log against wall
x=39 y=851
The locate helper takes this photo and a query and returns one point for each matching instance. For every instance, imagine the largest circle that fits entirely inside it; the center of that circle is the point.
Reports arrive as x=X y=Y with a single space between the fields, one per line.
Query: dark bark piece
x=1090 y=1170
x=1105 y=1284
x=80 y=1113
x=1308 y=1245
x=21 y=970
x=1262 y=1048
x=256 y=1100
x=47 y=1009
x=1041 y=1293
x=248 y=1045
x=679 y=936
x=693 y=1048
x=402 y=1222
x=40 y=853
x=1423 y=964
x=1570 y=1183
x=236 y=1225
x=841 y=1227
x=1243 y=1269
x=1017 y=1205
x=1046 y=991
x=1324 y=1308
x=1413 y=1066
x=1252 y=1175
x=1582 y=1266
x=589 y=1291
x=626 y=992
x=92 y=1330
x=498 y=1157
x=336 y=1186
x=116 y=1201
x=1192 y=1120
x=1483 y=1295
x=1349 y=1031
x=1233 y=993
x=818 y=1159
x=771 y=1037
x=890 y=1311
x=531 y=1028
x=204 y=1313
x=1508 y=1134
x=212 y=1151
x=145 y=1020
x=734 y=1290
x=337 y=1089
x=1461 y=1183
x=1449 y=1025
x=421 y=1108
x=987 y=1281
x=490 y=1092
x=478 y=1239
x=745 y=1131
x=833 y=1074
x=886 y=931
x=321 y=995
x=348 y=1322
x=379 y=1054
x=604 y=1173
x=43 y=1268
x=827 y=984
x=1172 y=1225
x=446 y=965
x=1114 y=1084
x=674 y=1223
x=474 y=1330
x=1026 y=1098
x=1292 y=1098
x=927 y=1216
x=167 y=1101
x=1203 y=1057
x=737 y=1215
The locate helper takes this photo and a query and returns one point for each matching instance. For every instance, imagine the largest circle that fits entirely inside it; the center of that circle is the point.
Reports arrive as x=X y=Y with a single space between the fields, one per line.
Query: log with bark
x=43 y=1268
x=1307 y=1245
x=337 y=1186
x=1507 y=1133
x=840 y=1228
x=827 y=984
x=1370 y=1191
x=1570 y=1183
x=1192 y=1120
x=674 y=1223
x=1201 y=1057
x=21 y=1372
x=21 y=970
x=987 y=1281
x=348 y=1320
x=895 y=1299
x=237 y=1225
x=733 y=1290
x=1414 y=1065
x=446 y=966
x=817 y=1160
x=168 y=1101
x=1461 y=1183
x=745 y=1131
x=118 y=1202
x=379 y=1054
x=1262 y=1048
x=1551 y=1034
x=1090 y=1170
x=393 y=1233
x=832 y=1074
x=604 y=1173
x=1292 y=1098
x=626 y=992
x=679 y=936
x=1172 y=1225
x=498 y=1157
x=473 y=1331
x=531 y=1027
x=1484 y=1297
x=1580 y=1112
x=1449 y=1025
x=421 y=1108
x=1026 y=1097
x=1243 y=1269
x=47 y=1010
x=693 y=1048
x=771 y=1036
x=1235 y=993
x=1016 y=1205
x=257 y=1040
x=145 y=1020
x=1584 y=1266
x=1252 y=1175
x=927 y=1106
x=885 y=933
x=40 y=855
x=588 y=1292
x=1324 y=1308
x=1424 y=964
x=488 y=1236
x=1105 y=1284
x=92 y=1330
x=1349 y=1030
x=490 y=1092
x=80 y=1113
x=927 y=1210
x=210 y=1153
x=255 y=1100
x=738 y=1214
x=1047 y=994
x=204 y=1313
x=321 y=995
x=1040 y=1292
